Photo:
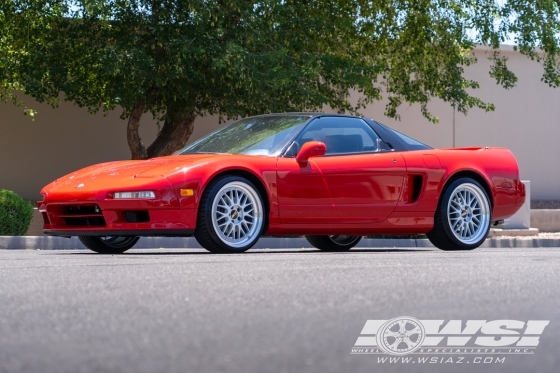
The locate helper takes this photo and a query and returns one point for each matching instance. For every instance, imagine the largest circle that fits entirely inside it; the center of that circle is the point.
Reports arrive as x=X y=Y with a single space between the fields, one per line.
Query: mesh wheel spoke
x=468 y=213
x=238 y=214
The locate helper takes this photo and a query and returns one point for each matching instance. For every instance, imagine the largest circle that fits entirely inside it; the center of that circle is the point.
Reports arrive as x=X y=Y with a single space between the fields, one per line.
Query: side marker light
x=187 y=192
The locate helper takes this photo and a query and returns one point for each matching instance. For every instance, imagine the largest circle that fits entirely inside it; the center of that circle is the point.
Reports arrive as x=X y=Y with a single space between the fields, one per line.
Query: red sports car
x=332 y=178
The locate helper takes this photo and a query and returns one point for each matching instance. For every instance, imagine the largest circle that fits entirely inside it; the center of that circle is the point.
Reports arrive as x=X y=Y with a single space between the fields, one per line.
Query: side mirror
x=311 y=149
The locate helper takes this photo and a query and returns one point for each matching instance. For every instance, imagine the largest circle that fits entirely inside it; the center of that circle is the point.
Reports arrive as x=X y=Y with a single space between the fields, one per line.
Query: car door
x=353 y=183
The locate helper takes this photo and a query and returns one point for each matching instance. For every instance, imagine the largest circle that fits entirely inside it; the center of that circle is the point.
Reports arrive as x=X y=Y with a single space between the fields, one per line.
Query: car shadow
x=261 y=251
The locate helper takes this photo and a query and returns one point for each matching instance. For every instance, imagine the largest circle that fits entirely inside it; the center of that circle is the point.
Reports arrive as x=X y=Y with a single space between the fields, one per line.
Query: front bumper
x=116 y=218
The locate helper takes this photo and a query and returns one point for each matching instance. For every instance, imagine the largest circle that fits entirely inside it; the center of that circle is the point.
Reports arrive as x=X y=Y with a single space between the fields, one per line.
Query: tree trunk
x=172 y=137
x=137 y=149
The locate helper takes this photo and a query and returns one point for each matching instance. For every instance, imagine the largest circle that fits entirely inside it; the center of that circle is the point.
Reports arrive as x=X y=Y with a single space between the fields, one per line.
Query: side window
x=341 y=135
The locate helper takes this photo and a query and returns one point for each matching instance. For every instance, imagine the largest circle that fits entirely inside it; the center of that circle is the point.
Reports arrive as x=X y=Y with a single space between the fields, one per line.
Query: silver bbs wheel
x=468 y=213
x=237 y=214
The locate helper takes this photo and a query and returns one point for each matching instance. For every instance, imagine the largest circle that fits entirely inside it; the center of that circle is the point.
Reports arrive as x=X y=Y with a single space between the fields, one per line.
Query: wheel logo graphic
x=401 y=336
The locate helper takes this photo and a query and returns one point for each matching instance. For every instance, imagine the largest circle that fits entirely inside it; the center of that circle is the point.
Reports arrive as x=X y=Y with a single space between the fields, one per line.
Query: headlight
x=130 y=195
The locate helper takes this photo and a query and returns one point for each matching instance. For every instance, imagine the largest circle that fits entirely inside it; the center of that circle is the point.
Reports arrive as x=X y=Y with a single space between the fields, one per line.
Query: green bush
x=15 y=214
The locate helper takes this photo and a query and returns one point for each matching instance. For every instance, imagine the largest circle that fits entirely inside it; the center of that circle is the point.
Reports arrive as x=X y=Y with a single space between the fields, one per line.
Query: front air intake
x=82 y=216
x=136 y=216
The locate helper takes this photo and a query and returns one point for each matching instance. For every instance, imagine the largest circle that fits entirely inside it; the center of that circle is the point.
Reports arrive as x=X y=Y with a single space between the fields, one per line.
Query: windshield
x=266 y=135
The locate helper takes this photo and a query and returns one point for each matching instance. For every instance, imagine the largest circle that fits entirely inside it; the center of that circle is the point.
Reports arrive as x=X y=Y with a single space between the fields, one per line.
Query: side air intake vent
x=412 y=188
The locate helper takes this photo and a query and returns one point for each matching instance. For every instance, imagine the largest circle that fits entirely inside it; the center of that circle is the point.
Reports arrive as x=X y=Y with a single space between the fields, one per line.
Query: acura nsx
x=332 y=178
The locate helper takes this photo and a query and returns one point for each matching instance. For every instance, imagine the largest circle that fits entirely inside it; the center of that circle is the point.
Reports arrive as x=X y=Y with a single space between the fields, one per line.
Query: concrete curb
x=60 y=243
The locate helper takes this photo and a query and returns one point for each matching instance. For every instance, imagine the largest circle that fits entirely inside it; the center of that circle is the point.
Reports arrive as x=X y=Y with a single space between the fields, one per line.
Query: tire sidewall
x=95 y=243
x=206 y=209
x=325 y=243
x=443 y=211
x=348 y=246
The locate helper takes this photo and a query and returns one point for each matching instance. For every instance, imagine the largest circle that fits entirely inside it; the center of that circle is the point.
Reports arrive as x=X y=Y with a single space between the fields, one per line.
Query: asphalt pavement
x=263 y=311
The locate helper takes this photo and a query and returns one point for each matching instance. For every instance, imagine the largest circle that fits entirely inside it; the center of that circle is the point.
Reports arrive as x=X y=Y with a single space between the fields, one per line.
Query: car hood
x=115 y=174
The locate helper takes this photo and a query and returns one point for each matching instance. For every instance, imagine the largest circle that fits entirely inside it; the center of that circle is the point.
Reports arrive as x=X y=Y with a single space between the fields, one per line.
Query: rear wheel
x=109 y=244
x=333 y=243
x=230 y=216
x=463 y=217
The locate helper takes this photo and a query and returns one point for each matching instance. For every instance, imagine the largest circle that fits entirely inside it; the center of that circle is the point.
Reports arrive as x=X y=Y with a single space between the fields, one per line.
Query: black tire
x=443 y=235
x=109 y=244
x=333 y=243
x=208 y=232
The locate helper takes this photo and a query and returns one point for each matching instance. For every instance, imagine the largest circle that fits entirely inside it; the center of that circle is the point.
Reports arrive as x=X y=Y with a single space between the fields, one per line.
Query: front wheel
x=230 y=216
x=463 y=217
x=109 y=244
x=333 y=243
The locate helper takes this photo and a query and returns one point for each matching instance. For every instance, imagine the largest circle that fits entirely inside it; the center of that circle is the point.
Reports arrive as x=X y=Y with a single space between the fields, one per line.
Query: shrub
x=15 y=214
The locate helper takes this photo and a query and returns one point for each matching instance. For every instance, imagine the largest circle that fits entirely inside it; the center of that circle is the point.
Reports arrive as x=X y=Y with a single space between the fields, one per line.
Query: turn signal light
x=187 y=192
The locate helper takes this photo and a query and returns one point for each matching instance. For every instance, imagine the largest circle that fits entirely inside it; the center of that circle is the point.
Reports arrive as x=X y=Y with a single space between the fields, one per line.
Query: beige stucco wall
x=58 y=141
x=526 y=120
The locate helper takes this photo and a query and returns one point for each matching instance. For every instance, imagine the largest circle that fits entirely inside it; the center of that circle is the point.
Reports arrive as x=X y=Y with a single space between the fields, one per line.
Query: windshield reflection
x=265 y=135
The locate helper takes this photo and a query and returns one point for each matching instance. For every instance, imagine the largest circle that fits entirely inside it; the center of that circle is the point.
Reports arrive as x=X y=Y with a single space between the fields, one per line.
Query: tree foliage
x=181 y=59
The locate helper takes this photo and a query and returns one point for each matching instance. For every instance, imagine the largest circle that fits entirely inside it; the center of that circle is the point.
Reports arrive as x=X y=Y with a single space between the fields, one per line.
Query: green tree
x=181 y=59
x=10 y=54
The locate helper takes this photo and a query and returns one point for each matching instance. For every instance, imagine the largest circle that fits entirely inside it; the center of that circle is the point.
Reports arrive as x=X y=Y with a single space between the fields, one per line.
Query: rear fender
x=497 y=167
